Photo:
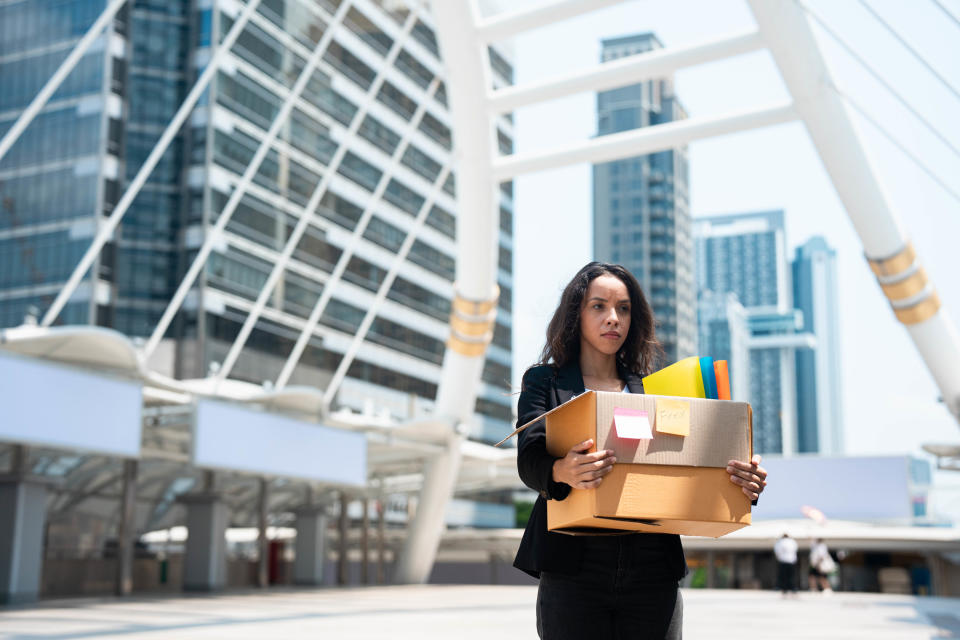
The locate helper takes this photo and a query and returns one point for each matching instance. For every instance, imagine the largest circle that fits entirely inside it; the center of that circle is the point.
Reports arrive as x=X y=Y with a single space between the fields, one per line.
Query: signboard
x=237 y=438
x=44 y=403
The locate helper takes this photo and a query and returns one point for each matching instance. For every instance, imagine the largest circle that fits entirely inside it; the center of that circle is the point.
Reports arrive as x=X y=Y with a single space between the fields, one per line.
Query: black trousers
x=622 y=591
x=786 y=576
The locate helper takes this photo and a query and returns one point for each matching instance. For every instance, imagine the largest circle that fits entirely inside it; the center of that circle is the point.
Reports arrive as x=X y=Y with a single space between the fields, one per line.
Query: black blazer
x=545 y=387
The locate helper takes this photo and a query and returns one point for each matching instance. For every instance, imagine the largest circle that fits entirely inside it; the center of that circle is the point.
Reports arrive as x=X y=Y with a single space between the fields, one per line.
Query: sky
x=890 y=400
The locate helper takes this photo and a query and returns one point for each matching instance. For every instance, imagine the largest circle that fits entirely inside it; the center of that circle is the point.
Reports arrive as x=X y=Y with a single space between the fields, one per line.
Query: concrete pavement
x=465 y=613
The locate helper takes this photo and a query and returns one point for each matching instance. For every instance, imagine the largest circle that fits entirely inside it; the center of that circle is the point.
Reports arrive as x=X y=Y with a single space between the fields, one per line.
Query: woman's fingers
x=749 y=476
x=595 y=455
x=748 y=470
x=583 y=446
x=590 y=475
x=594 y=478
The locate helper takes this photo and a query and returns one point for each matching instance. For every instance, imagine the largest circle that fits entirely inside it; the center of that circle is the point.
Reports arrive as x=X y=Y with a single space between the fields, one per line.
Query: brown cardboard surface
x=674 y=492
x=718 y=432
x=670 y=484
x=657 y=499
x=573 y=425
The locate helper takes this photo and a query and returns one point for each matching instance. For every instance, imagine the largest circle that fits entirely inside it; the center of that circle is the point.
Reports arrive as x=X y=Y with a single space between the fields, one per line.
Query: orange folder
x=723 y=379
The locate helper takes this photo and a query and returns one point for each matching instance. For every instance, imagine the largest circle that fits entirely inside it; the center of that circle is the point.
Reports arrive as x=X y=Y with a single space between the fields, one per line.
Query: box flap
x=544 y=415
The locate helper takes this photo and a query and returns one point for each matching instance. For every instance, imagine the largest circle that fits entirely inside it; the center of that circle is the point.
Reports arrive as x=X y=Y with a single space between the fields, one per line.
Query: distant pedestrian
x=821 y=565
x=786 y=551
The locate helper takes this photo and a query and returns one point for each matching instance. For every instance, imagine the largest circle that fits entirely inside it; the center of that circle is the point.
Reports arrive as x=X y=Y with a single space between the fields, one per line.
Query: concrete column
x=938 y=582
x=311 y=545
x=365 y=542
x=343 y=567
x=23 y=511
x=263 y=545
x=205 y=562
x=126 y=530
x=381 y=541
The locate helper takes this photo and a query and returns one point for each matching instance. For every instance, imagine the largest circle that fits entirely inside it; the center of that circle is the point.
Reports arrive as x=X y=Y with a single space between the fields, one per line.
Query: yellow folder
x=682 y=378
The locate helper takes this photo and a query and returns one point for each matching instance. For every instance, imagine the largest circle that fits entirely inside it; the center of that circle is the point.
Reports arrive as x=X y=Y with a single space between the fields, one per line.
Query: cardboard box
x=667 y=484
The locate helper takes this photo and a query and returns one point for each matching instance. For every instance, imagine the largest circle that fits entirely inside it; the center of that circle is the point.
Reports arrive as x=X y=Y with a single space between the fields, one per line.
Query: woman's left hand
x=749 y=476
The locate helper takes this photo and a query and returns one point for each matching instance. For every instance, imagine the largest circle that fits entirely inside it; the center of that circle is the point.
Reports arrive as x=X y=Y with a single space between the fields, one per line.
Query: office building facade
x=641 y=205
x=745 y=255
x=72 y=165
x=819 y=397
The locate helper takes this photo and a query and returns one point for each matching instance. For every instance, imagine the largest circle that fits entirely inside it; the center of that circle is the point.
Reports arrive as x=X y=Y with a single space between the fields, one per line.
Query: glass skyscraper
x=745 y=255
x=819 y=397
x=641 y=211
x=73 y=163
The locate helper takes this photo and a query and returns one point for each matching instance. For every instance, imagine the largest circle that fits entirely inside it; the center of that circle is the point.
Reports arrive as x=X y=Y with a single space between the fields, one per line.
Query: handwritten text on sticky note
x=673 y=416
x=632 y=424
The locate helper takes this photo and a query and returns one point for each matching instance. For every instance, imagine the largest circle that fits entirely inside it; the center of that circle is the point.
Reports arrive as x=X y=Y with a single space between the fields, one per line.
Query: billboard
x=44 y=403
x=239 y=438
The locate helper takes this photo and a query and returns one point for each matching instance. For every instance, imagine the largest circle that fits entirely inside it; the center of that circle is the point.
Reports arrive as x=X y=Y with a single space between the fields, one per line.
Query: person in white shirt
x=821 y=564
x=785 y=549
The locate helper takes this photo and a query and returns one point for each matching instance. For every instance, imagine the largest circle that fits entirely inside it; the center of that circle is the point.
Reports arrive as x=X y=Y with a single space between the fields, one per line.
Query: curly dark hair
x=640 y=353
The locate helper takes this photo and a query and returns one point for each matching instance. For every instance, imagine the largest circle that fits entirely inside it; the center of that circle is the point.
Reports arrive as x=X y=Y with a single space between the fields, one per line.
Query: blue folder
x=709 y=378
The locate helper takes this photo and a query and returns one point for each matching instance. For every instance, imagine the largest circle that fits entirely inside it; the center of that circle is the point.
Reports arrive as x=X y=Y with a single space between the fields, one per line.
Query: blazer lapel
x=569 y=383
x=634 y=382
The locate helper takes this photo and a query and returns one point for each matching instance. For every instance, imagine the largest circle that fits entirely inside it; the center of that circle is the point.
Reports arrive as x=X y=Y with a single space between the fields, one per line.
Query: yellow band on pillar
x=473 y=328
x=475 y=307
x=923 y=310
x=894 y=264
x=472 y=323
x=908 y=287
x=465 y=348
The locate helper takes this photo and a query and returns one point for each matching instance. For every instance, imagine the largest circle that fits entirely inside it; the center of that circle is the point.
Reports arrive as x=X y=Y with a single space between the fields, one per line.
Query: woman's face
x=605 y=315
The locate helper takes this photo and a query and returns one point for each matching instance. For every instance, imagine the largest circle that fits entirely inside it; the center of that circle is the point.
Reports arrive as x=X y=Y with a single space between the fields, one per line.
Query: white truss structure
x=463 y=37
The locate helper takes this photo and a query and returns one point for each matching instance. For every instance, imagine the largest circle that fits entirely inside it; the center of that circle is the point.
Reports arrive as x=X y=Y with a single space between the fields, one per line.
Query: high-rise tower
x=641 y=211
x=819 y=397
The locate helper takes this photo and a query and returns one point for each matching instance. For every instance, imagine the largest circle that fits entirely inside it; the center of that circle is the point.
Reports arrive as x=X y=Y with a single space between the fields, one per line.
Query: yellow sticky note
x=673 y=416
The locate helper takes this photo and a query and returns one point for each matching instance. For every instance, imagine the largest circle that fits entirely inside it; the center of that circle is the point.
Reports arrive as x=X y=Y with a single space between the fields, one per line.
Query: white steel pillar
x=891 y=256
x=474 y=307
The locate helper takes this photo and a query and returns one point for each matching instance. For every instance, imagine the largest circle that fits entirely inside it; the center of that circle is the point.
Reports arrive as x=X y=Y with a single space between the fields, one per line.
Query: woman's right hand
x=583 y=470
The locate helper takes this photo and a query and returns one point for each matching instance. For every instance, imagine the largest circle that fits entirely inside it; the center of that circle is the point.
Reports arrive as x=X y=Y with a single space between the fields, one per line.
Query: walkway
x=465 y=613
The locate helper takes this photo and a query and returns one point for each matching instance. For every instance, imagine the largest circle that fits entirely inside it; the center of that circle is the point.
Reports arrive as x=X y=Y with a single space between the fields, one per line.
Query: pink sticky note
x=632 y=424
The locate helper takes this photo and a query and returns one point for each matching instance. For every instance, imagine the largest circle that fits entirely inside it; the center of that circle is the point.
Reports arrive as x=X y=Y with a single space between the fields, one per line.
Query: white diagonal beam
x=643 y=141
x=371 y=315
x=658 y=63
x=215 y=234
x=331 y=283
x=794 y=48
x=277 y=272
x=510 y=23
x=13 y=134
x=107 y=228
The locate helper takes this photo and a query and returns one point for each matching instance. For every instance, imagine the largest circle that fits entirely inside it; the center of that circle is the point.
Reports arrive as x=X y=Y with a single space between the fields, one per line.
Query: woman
x=821 y=565
x=624 y=585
